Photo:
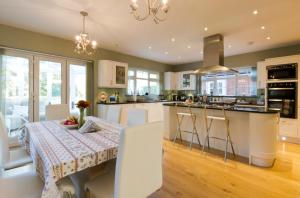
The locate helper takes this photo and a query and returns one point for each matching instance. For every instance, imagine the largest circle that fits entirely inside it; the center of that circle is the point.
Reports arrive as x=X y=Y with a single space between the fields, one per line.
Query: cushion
x=89 y=127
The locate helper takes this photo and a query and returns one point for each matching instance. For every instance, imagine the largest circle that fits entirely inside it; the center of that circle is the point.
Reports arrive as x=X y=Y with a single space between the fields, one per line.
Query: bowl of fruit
x=71 y=122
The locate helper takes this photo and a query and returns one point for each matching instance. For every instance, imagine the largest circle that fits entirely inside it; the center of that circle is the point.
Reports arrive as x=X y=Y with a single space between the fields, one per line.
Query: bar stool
x=208 y=127
x=192 y=116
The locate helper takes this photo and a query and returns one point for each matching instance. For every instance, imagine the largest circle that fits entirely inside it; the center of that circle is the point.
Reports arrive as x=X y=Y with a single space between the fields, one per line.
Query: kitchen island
x=254 y=131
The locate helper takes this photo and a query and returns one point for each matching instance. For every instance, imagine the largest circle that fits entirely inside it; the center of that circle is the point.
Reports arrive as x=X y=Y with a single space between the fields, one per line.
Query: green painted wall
x=28 y=40
x=248 y=59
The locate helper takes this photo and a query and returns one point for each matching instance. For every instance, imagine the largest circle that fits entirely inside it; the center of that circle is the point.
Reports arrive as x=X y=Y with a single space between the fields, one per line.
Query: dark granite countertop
x=239 y=109
x=132 y=102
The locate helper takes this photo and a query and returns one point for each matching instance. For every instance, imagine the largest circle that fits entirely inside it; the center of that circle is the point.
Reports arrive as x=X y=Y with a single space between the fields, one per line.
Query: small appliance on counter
x=102 y=97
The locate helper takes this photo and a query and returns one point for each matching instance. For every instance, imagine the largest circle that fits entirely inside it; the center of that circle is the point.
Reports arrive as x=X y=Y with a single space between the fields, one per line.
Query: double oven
x=282 y=89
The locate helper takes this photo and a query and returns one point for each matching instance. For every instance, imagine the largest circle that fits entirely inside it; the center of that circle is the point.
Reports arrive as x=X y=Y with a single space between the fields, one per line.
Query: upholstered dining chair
x=136 y=116
x=10 y=158
x=138 y=171
x=29 y=185
x=113 y=113
x=57 y=111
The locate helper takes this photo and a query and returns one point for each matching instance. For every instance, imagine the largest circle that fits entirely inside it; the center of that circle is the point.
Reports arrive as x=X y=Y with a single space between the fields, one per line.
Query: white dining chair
x=138 y=171
x=10 y=158
x=29 y=185
x=57 y=111
x=136 y=116
x=113 y=113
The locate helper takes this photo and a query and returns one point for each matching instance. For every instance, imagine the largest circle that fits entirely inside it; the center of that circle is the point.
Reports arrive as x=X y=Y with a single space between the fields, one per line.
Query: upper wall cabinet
x=112 y=74
x=261 y=72
x=186 y=80
x=170 y=81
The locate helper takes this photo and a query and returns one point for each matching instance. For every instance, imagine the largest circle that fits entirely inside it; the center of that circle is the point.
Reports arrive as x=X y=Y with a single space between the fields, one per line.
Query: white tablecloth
x=58 y=152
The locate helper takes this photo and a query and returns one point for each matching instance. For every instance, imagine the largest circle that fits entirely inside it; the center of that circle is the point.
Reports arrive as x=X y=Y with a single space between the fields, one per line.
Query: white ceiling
x=112 y=25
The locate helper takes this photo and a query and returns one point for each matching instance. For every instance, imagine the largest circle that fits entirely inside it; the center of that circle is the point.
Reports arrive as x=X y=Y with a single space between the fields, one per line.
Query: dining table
x=58 y=151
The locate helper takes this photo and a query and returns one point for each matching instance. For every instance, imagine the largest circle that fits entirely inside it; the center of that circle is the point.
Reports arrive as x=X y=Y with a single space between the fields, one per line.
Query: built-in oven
x=282 y=72
x=282 y=97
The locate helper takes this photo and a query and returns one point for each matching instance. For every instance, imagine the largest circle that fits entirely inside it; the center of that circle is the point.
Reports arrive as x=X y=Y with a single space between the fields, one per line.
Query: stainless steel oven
x=282 y=96
x=282 y=72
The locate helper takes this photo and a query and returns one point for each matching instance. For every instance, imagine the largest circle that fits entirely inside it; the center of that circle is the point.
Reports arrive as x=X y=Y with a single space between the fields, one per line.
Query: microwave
x=283 y=72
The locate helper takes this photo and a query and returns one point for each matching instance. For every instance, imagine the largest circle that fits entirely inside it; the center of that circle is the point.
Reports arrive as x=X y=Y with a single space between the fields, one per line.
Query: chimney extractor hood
x=213 y=56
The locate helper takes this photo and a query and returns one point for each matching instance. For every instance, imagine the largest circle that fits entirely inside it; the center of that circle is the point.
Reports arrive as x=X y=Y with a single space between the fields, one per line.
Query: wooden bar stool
x=180 y=116
x=210 y=119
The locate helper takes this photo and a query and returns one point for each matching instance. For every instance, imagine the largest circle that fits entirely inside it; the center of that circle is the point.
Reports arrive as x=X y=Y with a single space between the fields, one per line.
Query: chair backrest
x=113 y=113
x=136 y=116
x=57 y=111
x=4 y=148
x=139 y=161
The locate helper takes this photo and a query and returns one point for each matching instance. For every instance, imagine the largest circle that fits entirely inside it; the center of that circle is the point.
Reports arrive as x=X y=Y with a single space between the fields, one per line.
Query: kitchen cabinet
x=112 y=74
x=288 y=128
x=186 y=80
x=170 y=81
x=261 y=73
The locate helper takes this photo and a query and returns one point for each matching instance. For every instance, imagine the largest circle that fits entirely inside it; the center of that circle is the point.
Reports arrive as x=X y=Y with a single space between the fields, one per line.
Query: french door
x=50 y=82
x=28 y=83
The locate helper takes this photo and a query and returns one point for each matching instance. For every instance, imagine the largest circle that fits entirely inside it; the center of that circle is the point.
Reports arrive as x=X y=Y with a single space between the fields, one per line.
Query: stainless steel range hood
x=213 y=59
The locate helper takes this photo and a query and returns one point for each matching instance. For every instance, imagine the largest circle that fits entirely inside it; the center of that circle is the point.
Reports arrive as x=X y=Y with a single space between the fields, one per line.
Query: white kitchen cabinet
x=288 y=128
x=186 y=80
x=261 y=72
x=112 y=74
x=170 y=81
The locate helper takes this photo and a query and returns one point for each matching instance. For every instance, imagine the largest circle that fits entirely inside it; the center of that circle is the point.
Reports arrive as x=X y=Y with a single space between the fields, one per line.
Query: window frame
x=215 y=78
x=148 y=79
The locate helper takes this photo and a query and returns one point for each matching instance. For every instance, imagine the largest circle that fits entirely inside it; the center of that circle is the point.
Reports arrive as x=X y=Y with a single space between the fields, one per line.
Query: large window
x=241 y=84
x=141 y=82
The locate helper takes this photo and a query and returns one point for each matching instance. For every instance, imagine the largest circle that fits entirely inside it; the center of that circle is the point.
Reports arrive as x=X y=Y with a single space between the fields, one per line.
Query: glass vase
x=81 y=117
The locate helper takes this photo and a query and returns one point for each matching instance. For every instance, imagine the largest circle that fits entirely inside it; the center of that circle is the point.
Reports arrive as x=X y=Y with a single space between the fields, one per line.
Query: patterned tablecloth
x=58 y=152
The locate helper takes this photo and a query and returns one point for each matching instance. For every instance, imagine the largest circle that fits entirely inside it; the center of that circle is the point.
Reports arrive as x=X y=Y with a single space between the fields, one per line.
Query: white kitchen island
x=253 y=131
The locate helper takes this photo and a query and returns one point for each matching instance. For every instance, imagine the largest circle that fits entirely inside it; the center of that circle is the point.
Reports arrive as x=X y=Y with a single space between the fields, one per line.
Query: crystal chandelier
x=84 y=45
x=158 y=9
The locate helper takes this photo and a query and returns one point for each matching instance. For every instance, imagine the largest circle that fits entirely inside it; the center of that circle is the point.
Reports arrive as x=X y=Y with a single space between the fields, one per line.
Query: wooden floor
x=191 y=173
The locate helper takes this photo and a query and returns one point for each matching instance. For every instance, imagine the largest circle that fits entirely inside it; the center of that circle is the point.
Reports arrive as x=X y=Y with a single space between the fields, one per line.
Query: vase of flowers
x=82 y=105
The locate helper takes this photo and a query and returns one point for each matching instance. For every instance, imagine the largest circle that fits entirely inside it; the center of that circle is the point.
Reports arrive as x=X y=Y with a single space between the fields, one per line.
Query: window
x=141 y=82
x=241 y=84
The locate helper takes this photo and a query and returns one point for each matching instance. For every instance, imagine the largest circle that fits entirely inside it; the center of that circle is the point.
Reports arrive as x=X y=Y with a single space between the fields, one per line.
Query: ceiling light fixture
x=268 y=38
x=255 y=12
x=189 y=47
x=84 y=45
x=263 y=27
x=166 y=53
x=149 y=47
x=155 y=8
x=173 y=39
x=206 y=28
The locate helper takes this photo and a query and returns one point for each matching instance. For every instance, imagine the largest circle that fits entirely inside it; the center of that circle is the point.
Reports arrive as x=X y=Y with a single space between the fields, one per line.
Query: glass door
x=16 y=89
x=49 y=84
x=77 y=84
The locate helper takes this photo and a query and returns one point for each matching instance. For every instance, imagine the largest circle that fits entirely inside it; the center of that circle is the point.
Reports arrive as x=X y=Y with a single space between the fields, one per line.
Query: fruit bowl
x=70 y=123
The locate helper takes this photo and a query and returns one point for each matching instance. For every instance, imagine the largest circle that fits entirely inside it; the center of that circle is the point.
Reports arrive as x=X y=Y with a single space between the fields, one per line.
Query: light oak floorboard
x=191 y=173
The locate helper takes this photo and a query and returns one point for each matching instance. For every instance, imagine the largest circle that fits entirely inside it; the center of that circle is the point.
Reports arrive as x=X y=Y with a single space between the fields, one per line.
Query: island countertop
x=233 y=108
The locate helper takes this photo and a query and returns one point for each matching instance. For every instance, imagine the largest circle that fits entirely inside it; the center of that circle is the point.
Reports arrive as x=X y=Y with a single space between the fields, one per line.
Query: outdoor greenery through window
x=141 y=82
x=241 y=84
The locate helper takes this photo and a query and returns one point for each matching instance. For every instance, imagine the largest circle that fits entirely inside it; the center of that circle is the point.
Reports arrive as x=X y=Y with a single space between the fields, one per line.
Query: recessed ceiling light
x=189 y=47
x=262 y=27
x=255 y=12
x=229 y=46
x=149 y=47
x=173 y=39
x=268 y=38
x=206 y=28
x=166 y=52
